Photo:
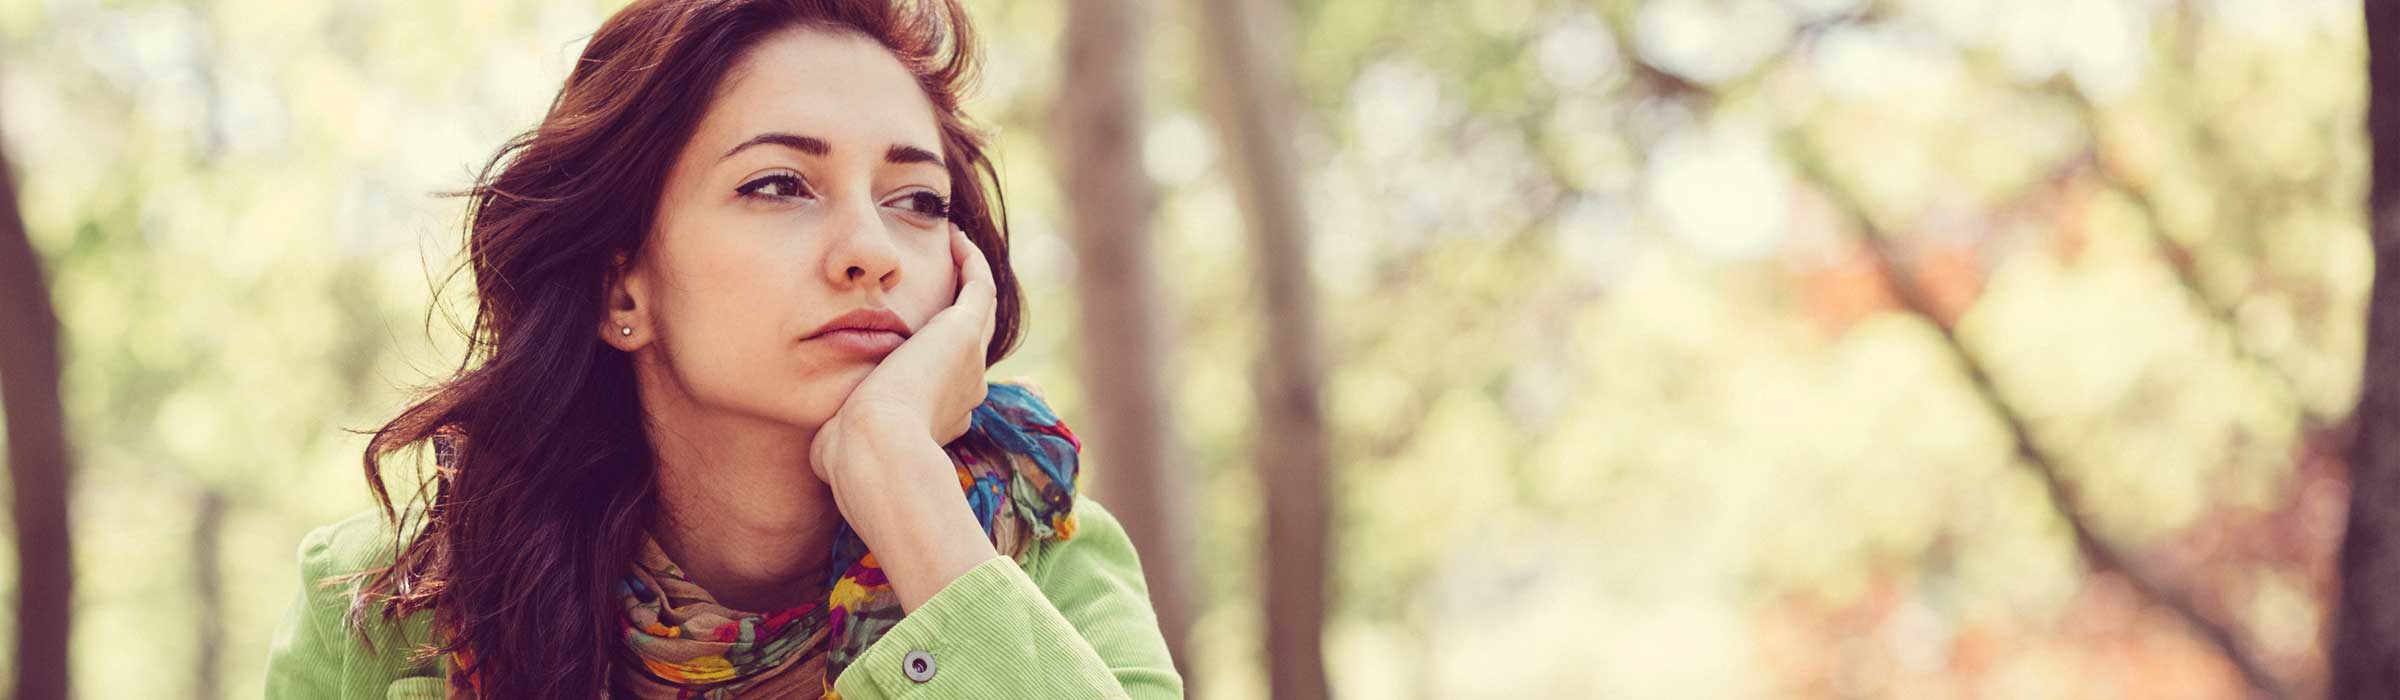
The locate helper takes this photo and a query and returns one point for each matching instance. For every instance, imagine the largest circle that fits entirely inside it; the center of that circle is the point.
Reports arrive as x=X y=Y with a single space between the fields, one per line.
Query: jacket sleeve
x=304 y=662
x=1073 y=622
x=314 y=655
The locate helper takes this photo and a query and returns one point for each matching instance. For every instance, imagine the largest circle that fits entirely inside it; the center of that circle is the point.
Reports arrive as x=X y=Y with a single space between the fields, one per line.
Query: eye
x=923 y=203
x=780 y=185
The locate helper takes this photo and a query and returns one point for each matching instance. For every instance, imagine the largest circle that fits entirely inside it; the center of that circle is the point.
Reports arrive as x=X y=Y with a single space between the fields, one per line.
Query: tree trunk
x=1096 y=135
x=208 y=545
x=1249 y=101
x=2366 y=635
x=37 y=457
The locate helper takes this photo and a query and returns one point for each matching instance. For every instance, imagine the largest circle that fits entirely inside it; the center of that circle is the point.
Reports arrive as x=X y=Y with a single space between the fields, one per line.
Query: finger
x=991 y=321
x=979 y=273
x=961 y=248
x=975 y=272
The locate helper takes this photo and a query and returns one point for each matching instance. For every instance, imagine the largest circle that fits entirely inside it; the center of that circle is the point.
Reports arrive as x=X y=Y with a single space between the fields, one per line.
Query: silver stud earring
x=626 y=331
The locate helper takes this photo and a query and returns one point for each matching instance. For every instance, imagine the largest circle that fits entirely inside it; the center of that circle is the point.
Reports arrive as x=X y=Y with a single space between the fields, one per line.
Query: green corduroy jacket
x=1069 y=619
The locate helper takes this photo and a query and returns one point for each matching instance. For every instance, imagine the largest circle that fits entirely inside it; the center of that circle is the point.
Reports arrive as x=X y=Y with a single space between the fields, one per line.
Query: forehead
x=835 y=85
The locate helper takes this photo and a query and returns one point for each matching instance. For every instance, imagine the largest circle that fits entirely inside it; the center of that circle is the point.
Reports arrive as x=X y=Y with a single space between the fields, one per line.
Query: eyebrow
x=805 y=144
x=903 y=155
x=899 y=154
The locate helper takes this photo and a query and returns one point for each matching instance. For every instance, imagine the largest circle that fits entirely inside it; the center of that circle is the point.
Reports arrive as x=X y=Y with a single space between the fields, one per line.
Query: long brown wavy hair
x=542 y=483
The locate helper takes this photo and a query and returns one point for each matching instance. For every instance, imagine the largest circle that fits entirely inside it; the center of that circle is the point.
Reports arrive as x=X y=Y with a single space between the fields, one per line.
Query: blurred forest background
x=1585 y=348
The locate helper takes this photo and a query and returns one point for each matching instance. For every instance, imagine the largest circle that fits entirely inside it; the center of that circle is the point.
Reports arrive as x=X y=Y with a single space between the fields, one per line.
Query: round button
x=918 y=664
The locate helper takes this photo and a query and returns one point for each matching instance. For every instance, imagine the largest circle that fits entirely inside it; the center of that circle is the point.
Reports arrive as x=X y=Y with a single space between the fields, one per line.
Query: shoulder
x=1070 y=617
x=1095 y=551
x=331 y=559
x=362 y=542
x=1094 y=579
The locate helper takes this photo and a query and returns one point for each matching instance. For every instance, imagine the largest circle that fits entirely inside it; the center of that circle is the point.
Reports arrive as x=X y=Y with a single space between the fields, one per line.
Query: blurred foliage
x=1621 y=409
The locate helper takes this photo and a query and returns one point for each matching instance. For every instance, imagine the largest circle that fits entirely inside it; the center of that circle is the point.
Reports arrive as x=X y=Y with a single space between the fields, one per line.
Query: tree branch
x=2180 y=258
x=2096 y=550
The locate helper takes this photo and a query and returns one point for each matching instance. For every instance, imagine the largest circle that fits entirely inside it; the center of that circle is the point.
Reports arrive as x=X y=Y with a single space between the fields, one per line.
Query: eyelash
x=924 y=203
x=929 y=204
x=791 y=183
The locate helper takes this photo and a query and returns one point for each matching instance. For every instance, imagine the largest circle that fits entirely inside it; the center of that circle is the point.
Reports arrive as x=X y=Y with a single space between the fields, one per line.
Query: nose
x=862 y=251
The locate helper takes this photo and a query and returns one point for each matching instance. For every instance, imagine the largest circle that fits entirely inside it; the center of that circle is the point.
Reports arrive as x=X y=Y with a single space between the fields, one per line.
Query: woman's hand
x=882 y=451
x=934 y=381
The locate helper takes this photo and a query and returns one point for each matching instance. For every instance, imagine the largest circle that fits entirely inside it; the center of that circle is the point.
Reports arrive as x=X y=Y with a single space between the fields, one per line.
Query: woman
x=724 y=430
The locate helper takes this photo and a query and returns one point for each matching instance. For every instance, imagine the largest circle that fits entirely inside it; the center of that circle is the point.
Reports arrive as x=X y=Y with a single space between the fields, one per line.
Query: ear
x=627 y=325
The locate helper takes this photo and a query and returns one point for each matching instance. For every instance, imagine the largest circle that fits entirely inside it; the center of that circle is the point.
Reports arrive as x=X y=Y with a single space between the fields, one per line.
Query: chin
x=806 y=411
x=819 y=398
x=812 y=398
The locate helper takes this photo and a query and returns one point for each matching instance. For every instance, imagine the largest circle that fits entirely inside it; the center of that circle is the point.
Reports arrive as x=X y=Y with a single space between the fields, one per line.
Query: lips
x=864 y=319
x=865 y=331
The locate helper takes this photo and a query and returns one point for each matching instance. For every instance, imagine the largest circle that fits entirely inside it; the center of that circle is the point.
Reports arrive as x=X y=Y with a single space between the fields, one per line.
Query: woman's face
x=813 y=187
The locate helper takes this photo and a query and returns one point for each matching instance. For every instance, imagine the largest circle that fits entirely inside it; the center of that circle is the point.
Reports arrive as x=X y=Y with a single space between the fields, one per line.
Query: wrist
x=927 y=554
x=858 y=442
x=907 y=506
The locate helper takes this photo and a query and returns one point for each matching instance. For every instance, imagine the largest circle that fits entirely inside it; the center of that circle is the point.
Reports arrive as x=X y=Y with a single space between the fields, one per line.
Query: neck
x=739 y=508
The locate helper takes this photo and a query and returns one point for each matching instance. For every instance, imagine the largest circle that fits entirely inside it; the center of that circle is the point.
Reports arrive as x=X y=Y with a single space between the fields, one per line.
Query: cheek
x=729 y=286
x=731 y=303
x=920 y=296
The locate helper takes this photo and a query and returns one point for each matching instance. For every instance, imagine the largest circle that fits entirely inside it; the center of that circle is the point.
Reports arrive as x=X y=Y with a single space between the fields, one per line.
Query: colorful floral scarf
x=680 y=643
